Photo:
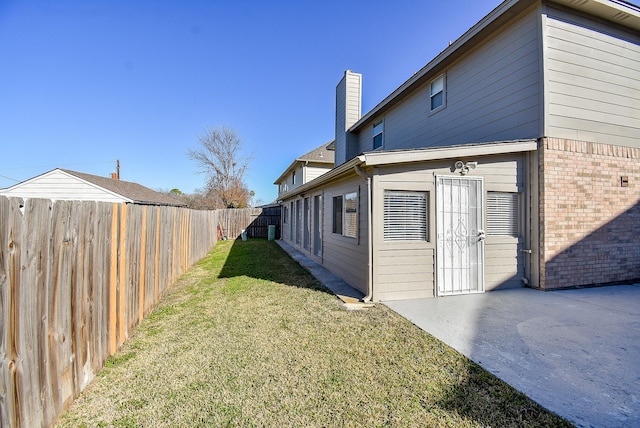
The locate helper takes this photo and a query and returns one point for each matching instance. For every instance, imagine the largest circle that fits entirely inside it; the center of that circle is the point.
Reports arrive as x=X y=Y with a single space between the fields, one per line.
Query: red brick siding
x=589 y=224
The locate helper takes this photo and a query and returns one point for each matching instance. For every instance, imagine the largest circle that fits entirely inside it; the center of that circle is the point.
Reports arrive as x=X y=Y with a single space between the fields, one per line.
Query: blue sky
x=86 y=82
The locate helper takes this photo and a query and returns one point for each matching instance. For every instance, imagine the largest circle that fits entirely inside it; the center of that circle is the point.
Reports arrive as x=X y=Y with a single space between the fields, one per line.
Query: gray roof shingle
x=134 y=191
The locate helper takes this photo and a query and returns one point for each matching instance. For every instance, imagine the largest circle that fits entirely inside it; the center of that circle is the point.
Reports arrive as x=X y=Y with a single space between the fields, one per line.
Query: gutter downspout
x=366 y=176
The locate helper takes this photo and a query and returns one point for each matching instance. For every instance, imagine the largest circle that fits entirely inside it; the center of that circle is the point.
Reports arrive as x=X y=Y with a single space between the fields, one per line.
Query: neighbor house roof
x=319 y=155
x=65 y=184
x=621 y=12
x=130 y=190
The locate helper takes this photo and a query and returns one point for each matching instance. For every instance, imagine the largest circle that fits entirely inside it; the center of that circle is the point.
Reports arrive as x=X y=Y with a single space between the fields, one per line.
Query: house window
x=378 y=132
x=350 y=223
x=293 y=178
x=345 y=214
x=284 y=215
x=503 y=214
x=337 y=214
x=406 y=216
x=437 y=92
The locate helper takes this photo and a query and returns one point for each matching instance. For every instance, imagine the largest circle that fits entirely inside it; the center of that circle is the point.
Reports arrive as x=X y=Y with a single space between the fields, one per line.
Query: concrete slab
x=576 y=352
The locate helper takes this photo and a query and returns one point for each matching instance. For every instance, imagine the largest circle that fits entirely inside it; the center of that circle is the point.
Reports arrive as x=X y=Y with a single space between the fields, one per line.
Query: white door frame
x=460 y=235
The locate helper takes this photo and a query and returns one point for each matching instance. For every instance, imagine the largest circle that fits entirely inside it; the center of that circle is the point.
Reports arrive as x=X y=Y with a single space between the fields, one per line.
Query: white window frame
x=436 y=87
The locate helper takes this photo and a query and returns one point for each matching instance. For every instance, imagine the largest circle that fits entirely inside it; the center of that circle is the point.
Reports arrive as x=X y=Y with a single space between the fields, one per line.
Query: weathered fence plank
x=113 y=280
x=10 y=230
x=75 y=279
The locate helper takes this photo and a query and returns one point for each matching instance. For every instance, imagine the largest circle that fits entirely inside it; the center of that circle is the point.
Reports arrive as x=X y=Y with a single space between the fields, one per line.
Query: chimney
x=348 y=112
x=114 y=175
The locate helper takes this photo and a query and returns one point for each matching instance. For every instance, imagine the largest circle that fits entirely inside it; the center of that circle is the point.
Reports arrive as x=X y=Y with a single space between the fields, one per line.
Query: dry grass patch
x=248 y=338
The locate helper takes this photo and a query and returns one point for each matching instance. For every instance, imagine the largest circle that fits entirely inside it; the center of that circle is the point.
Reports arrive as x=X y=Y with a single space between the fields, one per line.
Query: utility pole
x=118 y=168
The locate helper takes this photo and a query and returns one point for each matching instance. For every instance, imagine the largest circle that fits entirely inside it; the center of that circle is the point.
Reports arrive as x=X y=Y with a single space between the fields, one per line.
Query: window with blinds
x=405 y=216
x=503 y=214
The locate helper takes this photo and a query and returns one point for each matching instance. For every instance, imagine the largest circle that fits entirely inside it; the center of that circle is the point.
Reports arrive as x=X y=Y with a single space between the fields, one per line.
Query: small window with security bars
x=503 y=213
x=406 y=216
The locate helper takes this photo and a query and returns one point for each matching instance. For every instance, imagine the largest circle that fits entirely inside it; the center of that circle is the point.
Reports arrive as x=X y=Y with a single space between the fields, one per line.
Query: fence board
x=10 y=230
x=59 y=306
x=113 y=279
x=29 y=345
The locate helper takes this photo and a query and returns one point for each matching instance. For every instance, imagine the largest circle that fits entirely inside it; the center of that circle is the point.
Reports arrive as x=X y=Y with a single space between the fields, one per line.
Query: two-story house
x=511 y=159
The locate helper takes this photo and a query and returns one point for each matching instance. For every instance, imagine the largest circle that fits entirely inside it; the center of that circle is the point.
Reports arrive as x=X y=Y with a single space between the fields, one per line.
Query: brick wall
x=589 y=223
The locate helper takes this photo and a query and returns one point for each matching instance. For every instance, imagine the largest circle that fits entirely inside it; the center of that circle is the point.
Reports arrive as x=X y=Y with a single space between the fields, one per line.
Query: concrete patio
x=576 y=352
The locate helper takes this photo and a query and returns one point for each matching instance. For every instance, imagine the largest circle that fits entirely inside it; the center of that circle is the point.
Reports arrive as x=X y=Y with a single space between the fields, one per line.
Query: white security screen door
x=460 y=238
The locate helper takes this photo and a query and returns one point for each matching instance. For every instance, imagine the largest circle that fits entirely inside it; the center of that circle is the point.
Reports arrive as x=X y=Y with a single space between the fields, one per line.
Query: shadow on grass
x=479 y=394
x=263 y=259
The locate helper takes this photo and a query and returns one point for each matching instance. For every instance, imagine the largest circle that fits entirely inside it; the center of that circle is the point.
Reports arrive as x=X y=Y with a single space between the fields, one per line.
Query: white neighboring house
x=64 y=184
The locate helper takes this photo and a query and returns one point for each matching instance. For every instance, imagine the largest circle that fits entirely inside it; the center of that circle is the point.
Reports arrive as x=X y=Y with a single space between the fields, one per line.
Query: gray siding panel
x=492 y=94
x=583 y=101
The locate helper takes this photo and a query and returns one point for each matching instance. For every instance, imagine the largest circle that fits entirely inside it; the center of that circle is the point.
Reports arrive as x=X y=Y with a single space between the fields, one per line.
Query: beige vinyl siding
x=406 y=273
x=345 y=256
x=492 y=94
x=403 y=269
x=501 y=263
x=592 y=81
x=313 y=172
x=407 y=269
x=58 y=185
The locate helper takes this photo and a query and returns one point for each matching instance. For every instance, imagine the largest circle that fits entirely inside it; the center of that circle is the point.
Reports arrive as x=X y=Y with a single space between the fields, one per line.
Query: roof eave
x=327 y=176
x=286 y=172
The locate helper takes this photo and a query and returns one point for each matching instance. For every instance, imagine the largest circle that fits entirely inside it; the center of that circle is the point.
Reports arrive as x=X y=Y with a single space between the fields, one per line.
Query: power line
x=9 y=178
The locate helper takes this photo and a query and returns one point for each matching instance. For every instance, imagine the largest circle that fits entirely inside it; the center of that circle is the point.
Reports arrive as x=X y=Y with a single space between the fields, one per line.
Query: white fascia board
x=438 y=153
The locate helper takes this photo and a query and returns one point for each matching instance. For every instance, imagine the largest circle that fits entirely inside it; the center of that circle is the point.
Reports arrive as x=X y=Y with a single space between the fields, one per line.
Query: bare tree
x=220 y=158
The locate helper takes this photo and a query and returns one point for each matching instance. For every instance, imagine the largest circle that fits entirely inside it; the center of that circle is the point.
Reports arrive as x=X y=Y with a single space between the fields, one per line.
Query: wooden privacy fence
x=255 y=221
x=75 y=278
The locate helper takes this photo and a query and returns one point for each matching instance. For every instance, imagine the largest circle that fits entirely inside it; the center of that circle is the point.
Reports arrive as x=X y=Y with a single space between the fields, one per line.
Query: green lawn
x=248 y=338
